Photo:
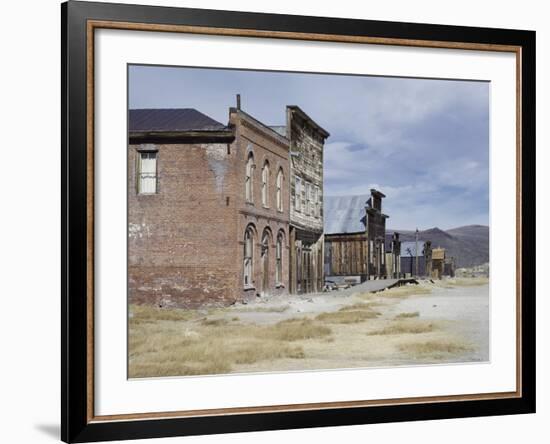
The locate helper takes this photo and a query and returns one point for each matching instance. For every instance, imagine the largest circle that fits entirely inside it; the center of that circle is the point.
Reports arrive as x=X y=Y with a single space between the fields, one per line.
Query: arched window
x=279 y=259
x=280 y=179
x=248 y=256
x=265 y=184
x=248 y=181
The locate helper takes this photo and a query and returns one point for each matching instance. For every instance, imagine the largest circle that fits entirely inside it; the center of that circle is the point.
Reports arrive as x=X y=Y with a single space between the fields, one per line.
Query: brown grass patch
x=397 y=292
x=464 y=282
x=360 y=306
x=214 y=322
x=405 y=291
x=405 y=327
x=408 y=315
x=436 y=347
x=296 y=329
x=177 y=345
x=277 y=309
x=347 y=316
x=147 y=313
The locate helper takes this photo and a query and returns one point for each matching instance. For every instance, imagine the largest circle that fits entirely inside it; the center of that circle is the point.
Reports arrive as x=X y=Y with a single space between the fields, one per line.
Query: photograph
x=283 y=221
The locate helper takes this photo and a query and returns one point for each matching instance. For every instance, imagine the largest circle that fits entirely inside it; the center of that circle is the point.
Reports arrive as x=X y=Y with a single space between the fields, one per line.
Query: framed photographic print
x=275 y=221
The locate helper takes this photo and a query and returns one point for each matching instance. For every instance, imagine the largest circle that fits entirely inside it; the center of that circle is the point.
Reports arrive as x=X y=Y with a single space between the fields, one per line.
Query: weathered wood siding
x=346 y=254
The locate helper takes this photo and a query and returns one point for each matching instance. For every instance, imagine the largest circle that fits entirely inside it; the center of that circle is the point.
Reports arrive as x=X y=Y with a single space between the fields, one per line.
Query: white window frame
x=150 y=174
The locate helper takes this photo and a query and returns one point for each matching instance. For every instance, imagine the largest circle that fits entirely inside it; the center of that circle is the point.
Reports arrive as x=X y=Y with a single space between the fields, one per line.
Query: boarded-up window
x=307 y=198
x=317 y=202
x=371 y=252
x=147 y=172
x=320 y=202
x=297 y=194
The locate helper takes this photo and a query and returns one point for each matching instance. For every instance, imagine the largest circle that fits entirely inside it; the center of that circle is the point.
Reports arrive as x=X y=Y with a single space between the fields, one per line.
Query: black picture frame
x=76 y=424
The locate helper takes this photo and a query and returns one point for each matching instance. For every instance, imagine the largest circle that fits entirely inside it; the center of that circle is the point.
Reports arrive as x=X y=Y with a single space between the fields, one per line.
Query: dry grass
x=176 y=345
x=360 y=306
x=276 y=309
x=464 y=282
x=405 y=327
x=435 y=347
x=405 y=291
x=347 y=316
x=146 y=313
x=398 y=292
x=214 y=322
x=408 y=315
x=297 y=329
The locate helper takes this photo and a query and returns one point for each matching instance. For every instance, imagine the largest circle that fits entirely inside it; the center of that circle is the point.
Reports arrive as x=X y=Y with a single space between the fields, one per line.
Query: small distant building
x=393 y=257
x=438 y=260
x=376 y=236
x=442 y=265
x=413 y=253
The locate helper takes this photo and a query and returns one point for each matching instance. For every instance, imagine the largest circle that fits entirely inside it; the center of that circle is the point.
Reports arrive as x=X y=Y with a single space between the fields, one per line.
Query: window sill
x=249 y=287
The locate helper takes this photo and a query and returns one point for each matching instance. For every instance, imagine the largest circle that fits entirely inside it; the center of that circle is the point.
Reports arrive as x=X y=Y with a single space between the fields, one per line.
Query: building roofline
x=375 y=192
x=262 y=125
x=192 y=136
x=346 y=233
x=312 y=122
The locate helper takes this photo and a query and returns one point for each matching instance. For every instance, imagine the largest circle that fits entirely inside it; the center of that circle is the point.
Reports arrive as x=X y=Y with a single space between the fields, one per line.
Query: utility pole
x=416 y=251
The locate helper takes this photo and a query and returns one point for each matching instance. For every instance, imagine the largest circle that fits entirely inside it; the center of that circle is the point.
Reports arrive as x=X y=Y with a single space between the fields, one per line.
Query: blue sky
x=423 y=142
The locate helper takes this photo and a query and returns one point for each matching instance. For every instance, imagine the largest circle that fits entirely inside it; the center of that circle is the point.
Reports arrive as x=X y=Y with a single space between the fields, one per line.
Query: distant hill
x=469 y=245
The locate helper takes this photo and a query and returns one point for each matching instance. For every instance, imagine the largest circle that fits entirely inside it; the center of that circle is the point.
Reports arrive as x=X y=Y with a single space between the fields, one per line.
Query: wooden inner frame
x=92 y=25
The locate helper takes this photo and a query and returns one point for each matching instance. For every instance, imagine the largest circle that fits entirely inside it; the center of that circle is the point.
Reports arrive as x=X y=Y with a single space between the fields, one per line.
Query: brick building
x=208 y=208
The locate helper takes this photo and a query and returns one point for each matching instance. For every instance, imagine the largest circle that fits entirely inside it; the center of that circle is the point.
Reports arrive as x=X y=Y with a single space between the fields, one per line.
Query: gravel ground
x=461 y=314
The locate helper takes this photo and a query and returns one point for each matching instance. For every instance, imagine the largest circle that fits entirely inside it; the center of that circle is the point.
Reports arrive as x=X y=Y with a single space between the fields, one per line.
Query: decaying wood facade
x=345 y=254
x=442 y=265
x=376 y=236
x=393 y=257
x=363 y=254
x=307 y=141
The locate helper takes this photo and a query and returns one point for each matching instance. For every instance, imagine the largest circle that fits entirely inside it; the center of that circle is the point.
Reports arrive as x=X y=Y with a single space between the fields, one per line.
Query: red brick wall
x=181 y=244
x=266 y=145
x=186 y=243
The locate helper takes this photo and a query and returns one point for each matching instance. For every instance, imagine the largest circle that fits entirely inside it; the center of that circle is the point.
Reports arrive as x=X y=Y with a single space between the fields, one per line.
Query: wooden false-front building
x=355 y=239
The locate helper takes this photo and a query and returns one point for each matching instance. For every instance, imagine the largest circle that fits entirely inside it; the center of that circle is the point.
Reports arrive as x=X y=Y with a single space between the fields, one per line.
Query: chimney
x=239 y=102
